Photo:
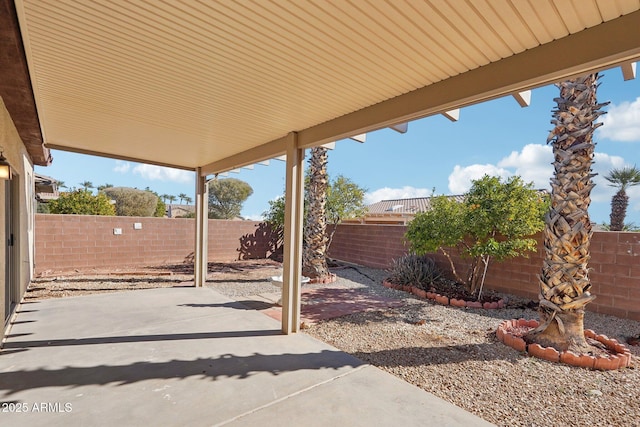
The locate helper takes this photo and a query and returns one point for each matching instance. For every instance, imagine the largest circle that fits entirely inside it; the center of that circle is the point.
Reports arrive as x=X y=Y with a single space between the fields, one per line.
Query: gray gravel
x=453 y=353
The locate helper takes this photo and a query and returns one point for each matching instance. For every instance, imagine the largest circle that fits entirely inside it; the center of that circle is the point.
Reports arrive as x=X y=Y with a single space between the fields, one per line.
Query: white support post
x=292 y=262
x=202 y=230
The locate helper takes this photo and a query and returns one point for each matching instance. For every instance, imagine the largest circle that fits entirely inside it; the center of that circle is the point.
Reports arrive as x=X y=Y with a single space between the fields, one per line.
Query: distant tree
x=87 y=185
x=182 y=196
x=61 y=184
x=161 y=209
x=622 y=179
x=226 y=197
x=82 y=202
x=164 y=197
x=132 y=202
x=103 y=186
x=171 y=198
x=188 y=200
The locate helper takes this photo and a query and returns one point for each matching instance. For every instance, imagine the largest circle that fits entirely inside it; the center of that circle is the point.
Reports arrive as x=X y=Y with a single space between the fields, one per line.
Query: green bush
x=81 y=202
x=414 y=270
x=132 y=202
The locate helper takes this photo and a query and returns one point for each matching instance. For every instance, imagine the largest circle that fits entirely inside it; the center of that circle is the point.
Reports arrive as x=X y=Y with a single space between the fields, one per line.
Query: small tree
x=345 y=199
x=132 y=202
x=82 y=202
x=226 y=197
x=161 y=208
x=495 y=221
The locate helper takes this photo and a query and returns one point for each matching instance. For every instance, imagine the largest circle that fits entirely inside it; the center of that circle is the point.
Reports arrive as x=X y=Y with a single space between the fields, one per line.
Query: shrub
x=132 y=202
x=414 y=270
x=81 y=202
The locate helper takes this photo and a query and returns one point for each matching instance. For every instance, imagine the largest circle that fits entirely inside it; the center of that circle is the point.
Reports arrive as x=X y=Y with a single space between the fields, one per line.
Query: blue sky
x=496 y=137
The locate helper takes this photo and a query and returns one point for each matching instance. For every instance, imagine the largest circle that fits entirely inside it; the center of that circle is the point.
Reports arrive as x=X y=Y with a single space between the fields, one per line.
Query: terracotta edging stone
x=442 y=299
x=510 y=333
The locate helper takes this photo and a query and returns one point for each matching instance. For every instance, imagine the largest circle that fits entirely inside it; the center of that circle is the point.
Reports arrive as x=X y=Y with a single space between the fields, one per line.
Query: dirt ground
x=57 y=284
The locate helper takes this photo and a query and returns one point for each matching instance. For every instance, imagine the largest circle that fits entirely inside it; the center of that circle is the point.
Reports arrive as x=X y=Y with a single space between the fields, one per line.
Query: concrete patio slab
x=187 y=356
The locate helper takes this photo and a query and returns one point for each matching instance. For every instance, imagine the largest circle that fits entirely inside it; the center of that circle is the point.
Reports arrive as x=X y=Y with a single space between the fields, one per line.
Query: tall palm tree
x=171 y=198
x=622 y=179
x=564 y=281
x=314 y=257
x=182 y=196
x=87 y=185
x=188 y=200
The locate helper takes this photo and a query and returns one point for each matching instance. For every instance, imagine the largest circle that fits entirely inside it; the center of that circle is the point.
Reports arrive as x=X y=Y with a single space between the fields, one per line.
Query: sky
x=497 y=137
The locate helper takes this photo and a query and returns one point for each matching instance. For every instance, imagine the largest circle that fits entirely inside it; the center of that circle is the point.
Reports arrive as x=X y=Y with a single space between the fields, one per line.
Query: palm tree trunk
x=619 y=203
x=314 y=259
x=564 y=281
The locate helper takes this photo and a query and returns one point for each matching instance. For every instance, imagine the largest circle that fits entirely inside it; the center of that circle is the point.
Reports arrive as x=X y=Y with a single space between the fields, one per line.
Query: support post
x=202 y=230
x=292 y=261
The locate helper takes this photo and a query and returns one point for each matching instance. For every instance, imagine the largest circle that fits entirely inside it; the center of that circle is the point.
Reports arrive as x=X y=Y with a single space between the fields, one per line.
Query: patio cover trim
x=603 y=46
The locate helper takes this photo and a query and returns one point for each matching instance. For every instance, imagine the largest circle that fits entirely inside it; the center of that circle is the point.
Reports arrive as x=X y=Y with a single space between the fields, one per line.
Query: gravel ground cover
x=450 y=352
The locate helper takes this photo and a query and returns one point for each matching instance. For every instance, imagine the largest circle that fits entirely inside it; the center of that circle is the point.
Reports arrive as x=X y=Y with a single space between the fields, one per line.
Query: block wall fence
x=615 y=264
x=67 y=242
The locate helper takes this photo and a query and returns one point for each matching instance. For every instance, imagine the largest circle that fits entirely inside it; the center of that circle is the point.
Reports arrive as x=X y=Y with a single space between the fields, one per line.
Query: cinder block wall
x=64 y=242
x=615 y=264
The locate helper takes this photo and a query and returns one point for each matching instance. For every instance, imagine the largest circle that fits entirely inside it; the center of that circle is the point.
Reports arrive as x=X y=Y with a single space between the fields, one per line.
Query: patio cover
x=213 y=86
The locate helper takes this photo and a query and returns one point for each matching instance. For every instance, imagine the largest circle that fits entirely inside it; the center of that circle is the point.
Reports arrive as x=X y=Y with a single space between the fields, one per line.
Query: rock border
x=444 y=300
x=510 y=333
x=332 y=278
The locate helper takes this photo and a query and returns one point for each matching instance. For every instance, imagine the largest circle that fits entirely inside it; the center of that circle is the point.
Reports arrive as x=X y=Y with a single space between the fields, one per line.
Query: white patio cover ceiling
x=219 y=84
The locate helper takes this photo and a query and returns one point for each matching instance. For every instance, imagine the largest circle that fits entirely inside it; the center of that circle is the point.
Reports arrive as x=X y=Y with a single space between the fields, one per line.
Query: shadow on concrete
x=215 y=368
x=426 y=356
x=140 y=338
x=239 y=305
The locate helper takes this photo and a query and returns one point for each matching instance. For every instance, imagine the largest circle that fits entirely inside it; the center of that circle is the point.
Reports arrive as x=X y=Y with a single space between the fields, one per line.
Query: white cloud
x=461 y=177
x=387 y=193
x=533 y=164
x=602 y=165
x=622 y=122
x=160 y=173
x=122 y=167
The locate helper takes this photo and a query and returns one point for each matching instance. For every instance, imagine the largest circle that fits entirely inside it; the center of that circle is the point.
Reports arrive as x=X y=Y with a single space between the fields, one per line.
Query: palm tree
x=188 y=200
x=564 y=281
x=87 y=185
x=622 y=179
x=171 y=198
x=314 y=257
x=104 y=186
x=182 y=196
x=164 y=197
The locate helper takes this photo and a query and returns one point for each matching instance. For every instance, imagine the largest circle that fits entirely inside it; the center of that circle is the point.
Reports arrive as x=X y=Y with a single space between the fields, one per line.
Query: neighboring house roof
x=400 y=211
x=175 y=211
x=403 y=206
x=46 y=188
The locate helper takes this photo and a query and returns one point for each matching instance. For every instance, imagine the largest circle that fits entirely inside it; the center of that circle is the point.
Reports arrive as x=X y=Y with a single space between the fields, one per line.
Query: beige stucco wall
x=23 y=209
